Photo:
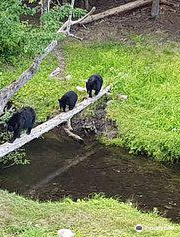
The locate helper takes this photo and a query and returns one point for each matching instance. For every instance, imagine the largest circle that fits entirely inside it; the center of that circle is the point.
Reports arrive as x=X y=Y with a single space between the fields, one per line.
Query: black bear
x=94 y=83
x=23 y=119
x=69 y=99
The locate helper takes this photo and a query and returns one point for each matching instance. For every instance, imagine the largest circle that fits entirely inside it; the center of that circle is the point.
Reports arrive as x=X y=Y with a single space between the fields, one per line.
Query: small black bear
x=23 y=119
x=94 y=83
x=69 y=99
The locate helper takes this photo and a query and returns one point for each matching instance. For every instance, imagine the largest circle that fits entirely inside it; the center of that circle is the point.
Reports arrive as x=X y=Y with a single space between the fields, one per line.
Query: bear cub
x=94 y=83
x=23 y=119
x=69 y=99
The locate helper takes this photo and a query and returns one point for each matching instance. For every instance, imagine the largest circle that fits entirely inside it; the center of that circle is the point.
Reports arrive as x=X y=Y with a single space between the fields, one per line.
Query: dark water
x=61 y=168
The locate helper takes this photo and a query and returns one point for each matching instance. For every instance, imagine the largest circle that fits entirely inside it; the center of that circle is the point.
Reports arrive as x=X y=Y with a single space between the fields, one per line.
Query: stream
x=60 y=167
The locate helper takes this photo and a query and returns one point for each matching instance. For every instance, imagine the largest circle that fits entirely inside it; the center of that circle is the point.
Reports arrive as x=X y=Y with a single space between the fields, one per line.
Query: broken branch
x=73 y=135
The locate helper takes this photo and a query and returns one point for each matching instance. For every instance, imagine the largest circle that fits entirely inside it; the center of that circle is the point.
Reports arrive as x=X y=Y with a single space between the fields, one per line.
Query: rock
x=81 y=89
x=122 y=97
x=55 y=73
x=65 y=233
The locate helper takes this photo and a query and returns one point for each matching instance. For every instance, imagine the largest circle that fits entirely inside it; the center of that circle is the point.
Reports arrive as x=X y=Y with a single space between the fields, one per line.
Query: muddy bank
x=120 y=27
x=95 y=123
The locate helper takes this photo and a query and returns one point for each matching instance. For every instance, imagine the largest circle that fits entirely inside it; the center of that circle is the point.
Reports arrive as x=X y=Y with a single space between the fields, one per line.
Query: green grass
x=149 y=121
x=41 y=92
x=98 y=217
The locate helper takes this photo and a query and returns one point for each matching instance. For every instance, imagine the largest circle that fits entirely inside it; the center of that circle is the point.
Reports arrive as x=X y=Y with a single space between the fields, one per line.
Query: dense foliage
x=19 y=37
x=12 y=33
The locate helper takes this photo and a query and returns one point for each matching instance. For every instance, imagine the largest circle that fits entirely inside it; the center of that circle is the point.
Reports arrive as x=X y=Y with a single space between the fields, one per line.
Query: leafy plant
x=58 y=14
x=18 y=37
x=12 y=34
x=15 y=158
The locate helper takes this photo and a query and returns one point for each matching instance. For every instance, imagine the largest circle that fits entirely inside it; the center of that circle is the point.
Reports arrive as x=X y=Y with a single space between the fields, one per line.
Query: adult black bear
x=69 y=99
x=94 y=83
x=23 y=119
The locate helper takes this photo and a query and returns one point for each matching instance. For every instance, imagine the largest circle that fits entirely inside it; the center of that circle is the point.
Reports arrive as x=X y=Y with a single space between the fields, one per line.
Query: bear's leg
x=64 y=108
x=29 y=130
x=16 y=134
x=97 y=92
x=90 y=93
x=31 y=126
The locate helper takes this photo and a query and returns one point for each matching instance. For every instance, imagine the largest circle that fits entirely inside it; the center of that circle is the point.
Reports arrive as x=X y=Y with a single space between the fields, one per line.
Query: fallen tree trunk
x=117 y=10
x=50 y=124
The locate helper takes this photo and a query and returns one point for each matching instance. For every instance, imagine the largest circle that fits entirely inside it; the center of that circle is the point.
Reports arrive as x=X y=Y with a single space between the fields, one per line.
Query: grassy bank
x=97 y=217
x=149 y=121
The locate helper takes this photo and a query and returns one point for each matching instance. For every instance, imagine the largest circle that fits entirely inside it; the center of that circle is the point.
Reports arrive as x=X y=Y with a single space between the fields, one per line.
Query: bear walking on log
x=94 y=83
x=69 y=99
x=23 y=119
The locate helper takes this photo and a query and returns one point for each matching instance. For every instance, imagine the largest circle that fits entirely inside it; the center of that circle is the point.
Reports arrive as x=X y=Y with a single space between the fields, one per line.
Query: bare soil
x=138 y=21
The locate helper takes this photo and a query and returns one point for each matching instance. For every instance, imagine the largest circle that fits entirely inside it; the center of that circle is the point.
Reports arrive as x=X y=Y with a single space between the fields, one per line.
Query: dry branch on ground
x=121 y=9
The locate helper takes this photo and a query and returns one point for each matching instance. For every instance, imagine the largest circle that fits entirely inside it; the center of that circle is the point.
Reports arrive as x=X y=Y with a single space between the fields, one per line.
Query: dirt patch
x=118 y=27
x=95 y=123
x=102 y=5
x=136 y=22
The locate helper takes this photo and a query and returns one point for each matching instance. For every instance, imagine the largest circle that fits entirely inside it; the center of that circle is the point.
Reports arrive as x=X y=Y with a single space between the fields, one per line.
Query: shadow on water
x=61 y=167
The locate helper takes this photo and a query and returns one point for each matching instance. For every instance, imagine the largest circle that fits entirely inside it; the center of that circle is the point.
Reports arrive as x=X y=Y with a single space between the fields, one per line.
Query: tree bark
x=73 y=135
x=45 y=6
x=86 y=4
x=7 y=92
x=155 y=8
